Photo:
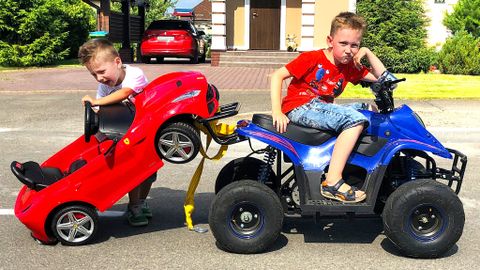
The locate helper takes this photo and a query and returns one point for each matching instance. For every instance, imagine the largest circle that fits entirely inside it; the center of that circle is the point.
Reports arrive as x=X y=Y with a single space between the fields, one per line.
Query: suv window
x=170 y=25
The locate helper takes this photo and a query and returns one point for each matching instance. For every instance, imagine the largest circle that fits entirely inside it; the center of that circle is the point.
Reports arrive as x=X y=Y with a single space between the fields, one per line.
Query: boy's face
x=105 y=70
x=345 y=43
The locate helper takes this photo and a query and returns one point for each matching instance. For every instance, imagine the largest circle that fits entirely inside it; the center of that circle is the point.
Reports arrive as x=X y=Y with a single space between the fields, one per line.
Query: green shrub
x=460 y=55
x=42 y=32
x=396 y=33
x=465 y=16
x=406 y=61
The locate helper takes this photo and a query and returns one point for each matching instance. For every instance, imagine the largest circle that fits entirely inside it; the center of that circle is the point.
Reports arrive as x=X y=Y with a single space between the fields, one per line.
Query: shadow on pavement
x=167 y=208
x=334 y=230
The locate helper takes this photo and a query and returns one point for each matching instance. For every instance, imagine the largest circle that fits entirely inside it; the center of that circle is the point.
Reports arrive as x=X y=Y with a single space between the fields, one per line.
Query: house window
x=439 y=1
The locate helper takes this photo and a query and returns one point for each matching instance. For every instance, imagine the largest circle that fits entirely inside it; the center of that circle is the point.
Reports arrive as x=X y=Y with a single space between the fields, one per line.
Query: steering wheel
x=91 y=121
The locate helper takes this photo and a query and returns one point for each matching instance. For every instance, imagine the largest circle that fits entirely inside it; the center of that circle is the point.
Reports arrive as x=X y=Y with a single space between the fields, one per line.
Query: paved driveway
x=34 y=124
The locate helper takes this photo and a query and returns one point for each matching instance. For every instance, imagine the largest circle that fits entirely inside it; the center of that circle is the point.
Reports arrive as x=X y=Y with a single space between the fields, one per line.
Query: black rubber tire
x=195 y=58
x=187 y=134
x=146 y=59
x=240 y=169
x=415 y=166
x=87 y=219
x=203 y=57
x=423 y=218
x=246 y=217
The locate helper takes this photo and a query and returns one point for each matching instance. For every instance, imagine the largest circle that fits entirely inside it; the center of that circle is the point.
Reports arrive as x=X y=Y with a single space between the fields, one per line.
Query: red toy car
x=173 y=38
x=60 y=197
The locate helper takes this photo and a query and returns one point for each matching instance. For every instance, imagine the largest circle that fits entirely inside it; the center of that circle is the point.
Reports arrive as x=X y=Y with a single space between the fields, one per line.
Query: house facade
x=435 y=10
x=265 y=24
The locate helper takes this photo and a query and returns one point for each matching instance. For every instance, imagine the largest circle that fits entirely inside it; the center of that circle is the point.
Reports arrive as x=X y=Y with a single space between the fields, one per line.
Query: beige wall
x=325 y=11
x=294 y=20
x=235 y=23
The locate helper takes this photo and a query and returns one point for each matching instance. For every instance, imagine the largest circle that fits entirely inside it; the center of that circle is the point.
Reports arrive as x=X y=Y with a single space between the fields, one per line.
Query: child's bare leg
x=341 y=151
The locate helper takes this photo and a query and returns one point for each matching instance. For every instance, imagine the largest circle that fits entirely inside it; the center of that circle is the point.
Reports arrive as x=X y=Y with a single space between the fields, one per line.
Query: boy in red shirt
x=318 y=78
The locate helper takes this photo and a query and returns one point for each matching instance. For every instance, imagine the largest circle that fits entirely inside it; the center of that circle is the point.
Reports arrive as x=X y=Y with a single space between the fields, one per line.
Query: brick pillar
x=219 y=39
x=215 y=58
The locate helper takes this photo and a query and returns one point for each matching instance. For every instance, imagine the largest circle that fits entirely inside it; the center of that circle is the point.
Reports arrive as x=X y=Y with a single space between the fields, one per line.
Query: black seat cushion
x=77 y=164
x=300 y=134
x=31 y=174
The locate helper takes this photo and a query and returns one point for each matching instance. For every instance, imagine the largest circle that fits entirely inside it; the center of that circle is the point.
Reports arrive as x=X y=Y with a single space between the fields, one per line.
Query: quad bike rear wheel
x=246 y=217
x=423 y=218
x=243 y=168
x=178 y=142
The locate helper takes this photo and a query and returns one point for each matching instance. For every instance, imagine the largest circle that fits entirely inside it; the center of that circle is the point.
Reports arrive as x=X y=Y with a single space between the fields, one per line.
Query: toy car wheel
x=75 y=225
x=423 y=218
x=246 y=217
x=178 y=142
x=90 y=121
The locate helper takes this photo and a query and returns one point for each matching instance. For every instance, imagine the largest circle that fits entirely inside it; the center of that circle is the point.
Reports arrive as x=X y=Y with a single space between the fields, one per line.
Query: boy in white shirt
x=116 y=83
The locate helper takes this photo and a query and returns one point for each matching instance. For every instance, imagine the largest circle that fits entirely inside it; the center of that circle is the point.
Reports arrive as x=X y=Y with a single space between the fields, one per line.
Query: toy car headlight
x=187 y=95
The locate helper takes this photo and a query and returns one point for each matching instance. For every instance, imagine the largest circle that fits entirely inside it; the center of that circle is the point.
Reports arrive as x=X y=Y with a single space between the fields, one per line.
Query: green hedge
x=42 y=32
x=460 y=55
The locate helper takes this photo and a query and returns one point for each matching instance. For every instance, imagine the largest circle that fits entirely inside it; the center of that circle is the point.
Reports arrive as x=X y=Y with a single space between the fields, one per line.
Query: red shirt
x=315 y=76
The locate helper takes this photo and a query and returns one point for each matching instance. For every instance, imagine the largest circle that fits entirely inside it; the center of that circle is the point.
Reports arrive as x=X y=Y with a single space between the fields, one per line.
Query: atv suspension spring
x=269 y=159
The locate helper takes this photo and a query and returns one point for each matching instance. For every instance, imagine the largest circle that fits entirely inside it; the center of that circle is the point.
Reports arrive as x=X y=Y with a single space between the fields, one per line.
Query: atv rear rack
x=456 y=173
x=224 y=111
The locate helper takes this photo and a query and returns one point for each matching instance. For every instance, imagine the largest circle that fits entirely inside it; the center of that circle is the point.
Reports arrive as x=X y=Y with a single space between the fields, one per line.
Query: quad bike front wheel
x=246 y=217
x=178 y=142
x=423 y=218
x=75 y=225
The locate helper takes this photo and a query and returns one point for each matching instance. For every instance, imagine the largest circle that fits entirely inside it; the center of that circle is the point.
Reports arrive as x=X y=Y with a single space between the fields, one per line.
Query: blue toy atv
x=392 y=162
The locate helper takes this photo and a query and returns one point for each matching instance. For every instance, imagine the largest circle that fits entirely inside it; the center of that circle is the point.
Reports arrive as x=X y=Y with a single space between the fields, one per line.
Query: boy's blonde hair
x=97 y=47
x=348 y=20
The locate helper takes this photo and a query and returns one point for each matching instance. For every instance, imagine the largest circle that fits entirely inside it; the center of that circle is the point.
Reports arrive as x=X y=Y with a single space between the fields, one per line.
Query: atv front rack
x=224 y=111
x=456 y=173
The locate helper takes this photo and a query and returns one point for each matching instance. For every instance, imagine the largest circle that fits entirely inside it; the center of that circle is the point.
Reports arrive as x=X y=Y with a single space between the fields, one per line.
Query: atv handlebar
x=384 y=94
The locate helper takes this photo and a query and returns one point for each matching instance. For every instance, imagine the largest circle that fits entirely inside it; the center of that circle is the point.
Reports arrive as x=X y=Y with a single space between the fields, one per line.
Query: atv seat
x=300 y=134
x=37 y=178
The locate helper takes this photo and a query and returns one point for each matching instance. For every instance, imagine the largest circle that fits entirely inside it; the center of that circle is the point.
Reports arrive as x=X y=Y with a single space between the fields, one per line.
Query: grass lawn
x=426 y=86
x=64 y=63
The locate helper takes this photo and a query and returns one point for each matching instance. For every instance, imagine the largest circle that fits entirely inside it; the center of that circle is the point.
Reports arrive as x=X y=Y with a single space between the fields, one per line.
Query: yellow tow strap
x=219 y=129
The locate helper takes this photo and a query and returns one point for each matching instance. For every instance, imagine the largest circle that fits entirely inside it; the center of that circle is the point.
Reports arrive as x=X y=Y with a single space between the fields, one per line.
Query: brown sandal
x=332 y=192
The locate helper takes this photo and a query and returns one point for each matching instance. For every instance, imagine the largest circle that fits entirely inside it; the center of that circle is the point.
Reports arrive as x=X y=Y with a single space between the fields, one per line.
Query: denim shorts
x=328 y=116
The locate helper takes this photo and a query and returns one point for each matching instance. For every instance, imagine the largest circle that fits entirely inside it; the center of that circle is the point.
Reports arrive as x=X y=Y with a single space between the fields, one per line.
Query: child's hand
x=89 y=99
x=357 y=58
x=280 y=121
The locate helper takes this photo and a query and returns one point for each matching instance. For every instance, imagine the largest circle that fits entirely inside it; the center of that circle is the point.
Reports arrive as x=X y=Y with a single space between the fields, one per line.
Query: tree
x=156 y=9
x=465 y=16
x=396 y=33
x=42 y=32
x=460 y=54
